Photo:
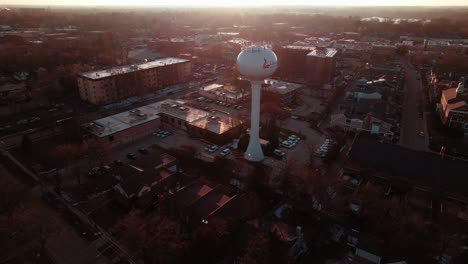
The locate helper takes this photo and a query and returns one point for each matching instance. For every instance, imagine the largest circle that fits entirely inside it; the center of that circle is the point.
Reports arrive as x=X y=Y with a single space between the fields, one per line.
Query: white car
x=286 y=144
x=295 y=137
x=279 y=153
x=225 y=152
x=211 y=148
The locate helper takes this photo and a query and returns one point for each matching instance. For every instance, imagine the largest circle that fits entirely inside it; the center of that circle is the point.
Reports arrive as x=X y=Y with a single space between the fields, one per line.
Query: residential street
x=412 y=122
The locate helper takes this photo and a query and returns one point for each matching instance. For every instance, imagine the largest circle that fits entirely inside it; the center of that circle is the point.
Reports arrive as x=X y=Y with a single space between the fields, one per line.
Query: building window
x=111 y=138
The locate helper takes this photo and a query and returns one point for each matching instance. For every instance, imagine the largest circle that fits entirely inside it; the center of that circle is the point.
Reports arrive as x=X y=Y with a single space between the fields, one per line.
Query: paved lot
x=308 y=104
x=313 y=137
x=411 y=123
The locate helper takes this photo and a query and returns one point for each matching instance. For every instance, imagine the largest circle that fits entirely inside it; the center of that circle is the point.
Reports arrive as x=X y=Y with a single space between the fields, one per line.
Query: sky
x=238 y=2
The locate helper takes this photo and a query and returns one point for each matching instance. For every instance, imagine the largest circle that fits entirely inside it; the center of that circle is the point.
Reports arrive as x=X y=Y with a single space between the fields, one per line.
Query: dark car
x=143 y=151
x=118 y=162
x=131 y=156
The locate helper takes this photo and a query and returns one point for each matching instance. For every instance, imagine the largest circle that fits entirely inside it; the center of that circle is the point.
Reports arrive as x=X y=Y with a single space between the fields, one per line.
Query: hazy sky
x=236 y=2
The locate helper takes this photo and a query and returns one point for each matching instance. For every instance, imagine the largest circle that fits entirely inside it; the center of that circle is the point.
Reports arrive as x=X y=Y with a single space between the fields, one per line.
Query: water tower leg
x=254 y=150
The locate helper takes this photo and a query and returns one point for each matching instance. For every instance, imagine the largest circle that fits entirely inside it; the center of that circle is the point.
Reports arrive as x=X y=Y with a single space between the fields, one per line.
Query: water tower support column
x=254 y=150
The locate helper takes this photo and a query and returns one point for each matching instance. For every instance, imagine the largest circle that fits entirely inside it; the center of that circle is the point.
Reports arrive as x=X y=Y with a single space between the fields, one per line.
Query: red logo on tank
x=265 y=64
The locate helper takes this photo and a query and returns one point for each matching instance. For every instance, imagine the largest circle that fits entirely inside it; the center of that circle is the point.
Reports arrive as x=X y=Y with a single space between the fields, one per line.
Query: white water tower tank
x=257 y=62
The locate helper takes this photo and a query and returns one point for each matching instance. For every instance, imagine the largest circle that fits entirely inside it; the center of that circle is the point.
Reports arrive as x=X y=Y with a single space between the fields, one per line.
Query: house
x=453 y=107
x=371 y=106
x=280 y=92
x=200 y=203
x=139 y=181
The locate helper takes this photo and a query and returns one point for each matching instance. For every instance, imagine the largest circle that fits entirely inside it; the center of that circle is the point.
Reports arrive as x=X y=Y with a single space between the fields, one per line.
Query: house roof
x=144 y=171
x=375 y=106
x=210 y=203
x=192 y=193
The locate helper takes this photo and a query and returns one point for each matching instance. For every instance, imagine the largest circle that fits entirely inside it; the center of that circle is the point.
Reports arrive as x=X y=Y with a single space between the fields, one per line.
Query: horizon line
x=231 y=6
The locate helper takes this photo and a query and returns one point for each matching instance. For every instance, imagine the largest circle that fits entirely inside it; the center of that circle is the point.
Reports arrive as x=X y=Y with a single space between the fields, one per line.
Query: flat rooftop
x=121 y=121
x=179 y=110
x=217 y=123
x=228 y=91
x=323 y=52
x=100 y=74
x=281 y=87
x=297 y=47
x=125 y=120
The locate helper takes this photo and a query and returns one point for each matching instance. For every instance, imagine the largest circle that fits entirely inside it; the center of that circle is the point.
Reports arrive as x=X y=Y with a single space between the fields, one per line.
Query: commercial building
x=131 y=125
x=124 y=127
x=105 y=86
x=453 y=107
x=224 y=93
x=218 y=128
x=280 y=92
x=321 y=64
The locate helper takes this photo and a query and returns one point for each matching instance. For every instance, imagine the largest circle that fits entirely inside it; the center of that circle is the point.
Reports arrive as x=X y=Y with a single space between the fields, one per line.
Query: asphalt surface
x=412 y=123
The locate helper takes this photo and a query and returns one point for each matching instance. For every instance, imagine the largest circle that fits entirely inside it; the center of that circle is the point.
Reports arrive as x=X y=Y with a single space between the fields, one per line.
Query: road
x=412 y=122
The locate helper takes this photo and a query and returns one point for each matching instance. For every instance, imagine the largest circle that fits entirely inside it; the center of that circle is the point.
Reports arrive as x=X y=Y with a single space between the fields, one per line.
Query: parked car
x=34 y=119
x=143 y=151
x=118 y=162
x=211 y=148
x=22 y=121
x=225 y=152
x=131 y=156
x=286 y=144
x=279 y=153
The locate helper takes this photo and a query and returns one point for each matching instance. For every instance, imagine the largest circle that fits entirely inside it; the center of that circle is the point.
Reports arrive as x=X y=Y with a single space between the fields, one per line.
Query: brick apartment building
x=307 y=64
x=321 y=64
x=105 y=86
x=292 y=62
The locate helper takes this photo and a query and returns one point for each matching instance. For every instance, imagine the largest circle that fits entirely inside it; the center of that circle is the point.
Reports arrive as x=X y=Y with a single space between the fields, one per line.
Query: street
x=412 y=123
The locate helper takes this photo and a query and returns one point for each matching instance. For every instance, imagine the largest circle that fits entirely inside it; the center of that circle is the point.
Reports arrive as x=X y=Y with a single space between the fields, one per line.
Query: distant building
x=280 y=92
x=453 y=107
x=105 y=86
x=321 y=64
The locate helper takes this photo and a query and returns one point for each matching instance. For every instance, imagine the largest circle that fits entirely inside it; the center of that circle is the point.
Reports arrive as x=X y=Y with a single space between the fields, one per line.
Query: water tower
x=256 y=63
